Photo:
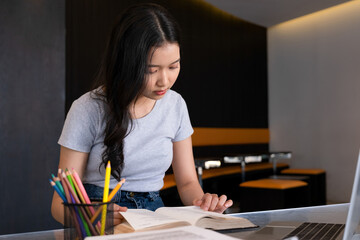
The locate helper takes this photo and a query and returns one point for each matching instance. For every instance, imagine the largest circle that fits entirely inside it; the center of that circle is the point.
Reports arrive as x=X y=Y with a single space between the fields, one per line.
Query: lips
x=161 y=92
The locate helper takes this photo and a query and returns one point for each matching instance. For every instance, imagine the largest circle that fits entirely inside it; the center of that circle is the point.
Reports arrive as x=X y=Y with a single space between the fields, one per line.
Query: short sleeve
x=185 y=129
x=81 y=124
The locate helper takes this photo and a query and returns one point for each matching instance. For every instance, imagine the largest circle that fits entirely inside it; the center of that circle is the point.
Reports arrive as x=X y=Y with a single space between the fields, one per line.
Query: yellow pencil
x=105 y=197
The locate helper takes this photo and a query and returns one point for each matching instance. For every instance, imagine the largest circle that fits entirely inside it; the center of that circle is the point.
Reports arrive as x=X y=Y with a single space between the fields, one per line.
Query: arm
x=72 y=159
x=187 y=183
x=68 y=159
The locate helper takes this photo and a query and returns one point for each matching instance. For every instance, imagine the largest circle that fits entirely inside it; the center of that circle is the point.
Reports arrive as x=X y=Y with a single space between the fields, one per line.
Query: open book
x=168 y=217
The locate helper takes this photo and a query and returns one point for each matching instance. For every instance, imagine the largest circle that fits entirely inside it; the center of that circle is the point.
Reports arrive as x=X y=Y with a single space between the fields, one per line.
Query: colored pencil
x=57 y=182
x=76 y=220
x=87 y=211
x=116 y=189
x=85 y=196
x=70 y=180
x=105 y=197
x=87 y=220
x=59 y=173
x=78 y=192
x=76 y=196
x=111 y=196
x=84 y=228
x=56 y=188
x=82 y=189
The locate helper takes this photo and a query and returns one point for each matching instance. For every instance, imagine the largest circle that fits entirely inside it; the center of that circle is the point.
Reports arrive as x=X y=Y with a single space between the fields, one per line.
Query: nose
x=163 y=79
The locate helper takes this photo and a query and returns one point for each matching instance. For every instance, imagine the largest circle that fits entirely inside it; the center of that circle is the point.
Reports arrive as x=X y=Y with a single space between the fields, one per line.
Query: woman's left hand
x=213 y=203
x=118 y=218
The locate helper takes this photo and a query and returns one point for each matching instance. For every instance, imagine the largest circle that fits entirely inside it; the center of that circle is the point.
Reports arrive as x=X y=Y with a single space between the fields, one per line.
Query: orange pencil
x=111 y=195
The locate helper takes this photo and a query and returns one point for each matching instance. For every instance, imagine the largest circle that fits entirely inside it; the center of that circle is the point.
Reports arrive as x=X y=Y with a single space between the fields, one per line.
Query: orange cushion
x=303 y=171
x=274 y=184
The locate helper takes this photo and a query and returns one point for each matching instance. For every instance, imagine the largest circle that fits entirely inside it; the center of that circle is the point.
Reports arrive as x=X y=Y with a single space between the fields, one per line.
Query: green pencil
x=70 y=180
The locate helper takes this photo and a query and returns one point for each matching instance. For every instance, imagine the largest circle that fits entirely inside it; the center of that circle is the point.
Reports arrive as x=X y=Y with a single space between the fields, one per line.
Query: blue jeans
x=144 y=200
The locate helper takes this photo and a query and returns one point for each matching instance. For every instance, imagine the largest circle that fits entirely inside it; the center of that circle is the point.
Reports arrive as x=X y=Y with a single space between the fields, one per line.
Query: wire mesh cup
x=83 y=220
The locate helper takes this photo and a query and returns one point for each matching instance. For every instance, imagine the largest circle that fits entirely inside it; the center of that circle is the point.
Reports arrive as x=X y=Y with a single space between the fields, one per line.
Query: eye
x=151 y=70
x=174 y=66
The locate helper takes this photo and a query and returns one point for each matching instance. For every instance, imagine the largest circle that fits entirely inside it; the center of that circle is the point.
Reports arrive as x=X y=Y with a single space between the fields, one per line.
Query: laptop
x=311 y=230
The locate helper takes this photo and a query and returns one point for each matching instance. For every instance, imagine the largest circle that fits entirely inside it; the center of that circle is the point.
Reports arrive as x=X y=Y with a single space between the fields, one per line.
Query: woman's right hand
x=118 y=218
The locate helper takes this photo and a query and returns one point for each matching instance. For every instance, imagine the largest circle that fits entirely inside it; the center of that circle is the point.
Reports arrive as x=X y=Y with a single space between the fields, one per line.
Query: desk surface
x=336 y=213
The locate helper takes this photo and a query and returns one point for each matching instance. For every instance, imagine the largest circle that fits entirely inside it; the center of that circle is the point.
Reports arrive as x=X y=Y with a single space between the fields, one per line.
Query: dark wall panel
x=224 y=73
x=32 y=90
x=224 y=76
x=223 y=80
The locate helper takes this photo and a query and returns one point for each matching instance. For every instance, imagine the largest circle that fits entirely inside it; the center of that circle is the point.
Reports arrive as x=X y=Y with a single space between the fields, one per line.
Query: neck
x=141 y=107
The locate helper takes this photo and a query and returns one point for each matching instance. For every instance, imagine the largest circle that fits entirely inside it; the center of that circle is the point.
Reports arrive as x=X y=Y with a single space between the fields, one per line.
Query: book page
x=201 y=218
x=190 y=214
x=178 y=233
x=142 y=218
x=221 y=224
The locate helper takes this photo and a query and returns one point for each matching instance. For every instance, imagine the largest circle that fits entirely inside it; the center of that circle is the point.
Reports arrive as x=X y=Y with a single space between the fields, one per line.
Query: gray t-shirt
x=148 y=149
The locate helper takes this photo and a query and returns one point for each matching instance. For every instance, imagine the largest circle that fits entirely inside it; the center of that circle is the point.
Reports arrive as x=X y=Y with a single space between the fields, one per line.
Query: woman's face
x=162 y=70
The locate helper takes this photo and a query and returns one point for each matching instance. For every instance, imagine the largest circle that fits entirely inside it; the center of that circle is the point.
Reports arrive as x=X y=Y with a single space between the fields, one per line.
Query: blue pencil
x=58 y=183
x=58 y=190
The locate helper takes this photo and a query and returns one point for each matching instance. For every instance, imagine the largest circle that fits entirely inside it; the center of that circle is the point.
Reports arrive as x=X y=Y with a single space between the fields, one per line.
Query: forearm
x=190 y=191
x=57 y=209
x=70 y=159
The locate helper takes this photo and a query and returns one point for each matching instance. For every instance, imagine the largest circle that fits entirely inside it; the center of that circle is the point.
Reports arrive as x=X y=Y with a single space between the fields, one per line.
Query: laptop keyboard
x=317 y=231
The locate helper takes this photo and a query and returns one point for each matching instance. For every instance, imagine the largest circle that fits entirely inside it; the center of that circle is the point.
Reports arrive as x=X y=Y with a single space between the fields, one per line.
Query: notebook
x=311 y=230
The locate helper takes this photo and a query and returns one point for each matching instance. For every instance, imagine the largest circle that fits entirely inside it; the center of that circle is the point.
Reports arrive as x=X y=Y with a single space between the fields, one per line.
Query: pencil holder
x=83 y=220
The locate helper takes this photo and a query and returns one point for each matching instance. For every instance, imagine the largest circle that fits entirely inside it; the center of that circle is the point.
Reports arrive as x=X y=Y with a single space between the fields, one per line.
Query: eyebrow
x=151 y=65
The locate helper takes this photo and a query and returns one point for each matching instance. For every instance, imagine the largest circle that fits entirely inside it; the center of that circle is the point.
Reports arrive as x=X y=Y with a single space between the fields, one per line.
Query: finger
x=228 y=203
x=206 y=201
x=197 y=202
x=222 y=200
x=118 y=215
x=117 y=221
x=118 y=218
x=222 y=208
x=118 y=208
x=214 y=202
x=122 y=209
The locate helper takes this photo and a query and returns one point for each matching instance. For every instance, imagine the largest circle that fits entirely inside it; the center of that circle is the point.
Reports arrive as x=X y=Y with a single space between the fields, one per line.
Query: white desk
x=336 y=213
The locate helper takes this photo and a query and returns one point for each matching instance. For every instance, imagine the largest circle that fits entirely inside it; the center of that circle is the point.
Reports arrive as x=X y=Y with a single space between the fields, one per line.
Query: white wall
x=314 y=93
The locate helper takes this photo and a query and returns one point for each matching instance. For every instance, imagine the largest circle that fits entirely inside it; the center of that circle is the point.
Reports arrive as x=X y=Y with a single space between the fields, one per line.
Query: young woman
x=134 y=120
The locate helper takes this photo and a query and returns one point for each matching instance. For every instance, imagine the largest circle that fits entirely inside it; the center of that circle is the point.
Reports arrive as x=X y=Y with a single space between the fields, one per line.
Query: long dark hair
x=121 y=77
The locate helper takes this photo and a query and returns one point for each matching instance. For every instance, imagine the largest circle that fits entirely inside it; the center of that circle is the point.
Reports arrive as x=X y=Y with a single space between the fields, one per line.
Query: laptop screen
x=353 y=217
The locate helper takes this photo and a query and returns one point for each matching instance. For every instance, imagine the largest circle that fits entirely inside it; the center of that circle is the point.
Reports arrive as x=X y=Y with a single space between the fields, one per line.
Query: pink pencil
x=83 y=192
x=82 y=189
